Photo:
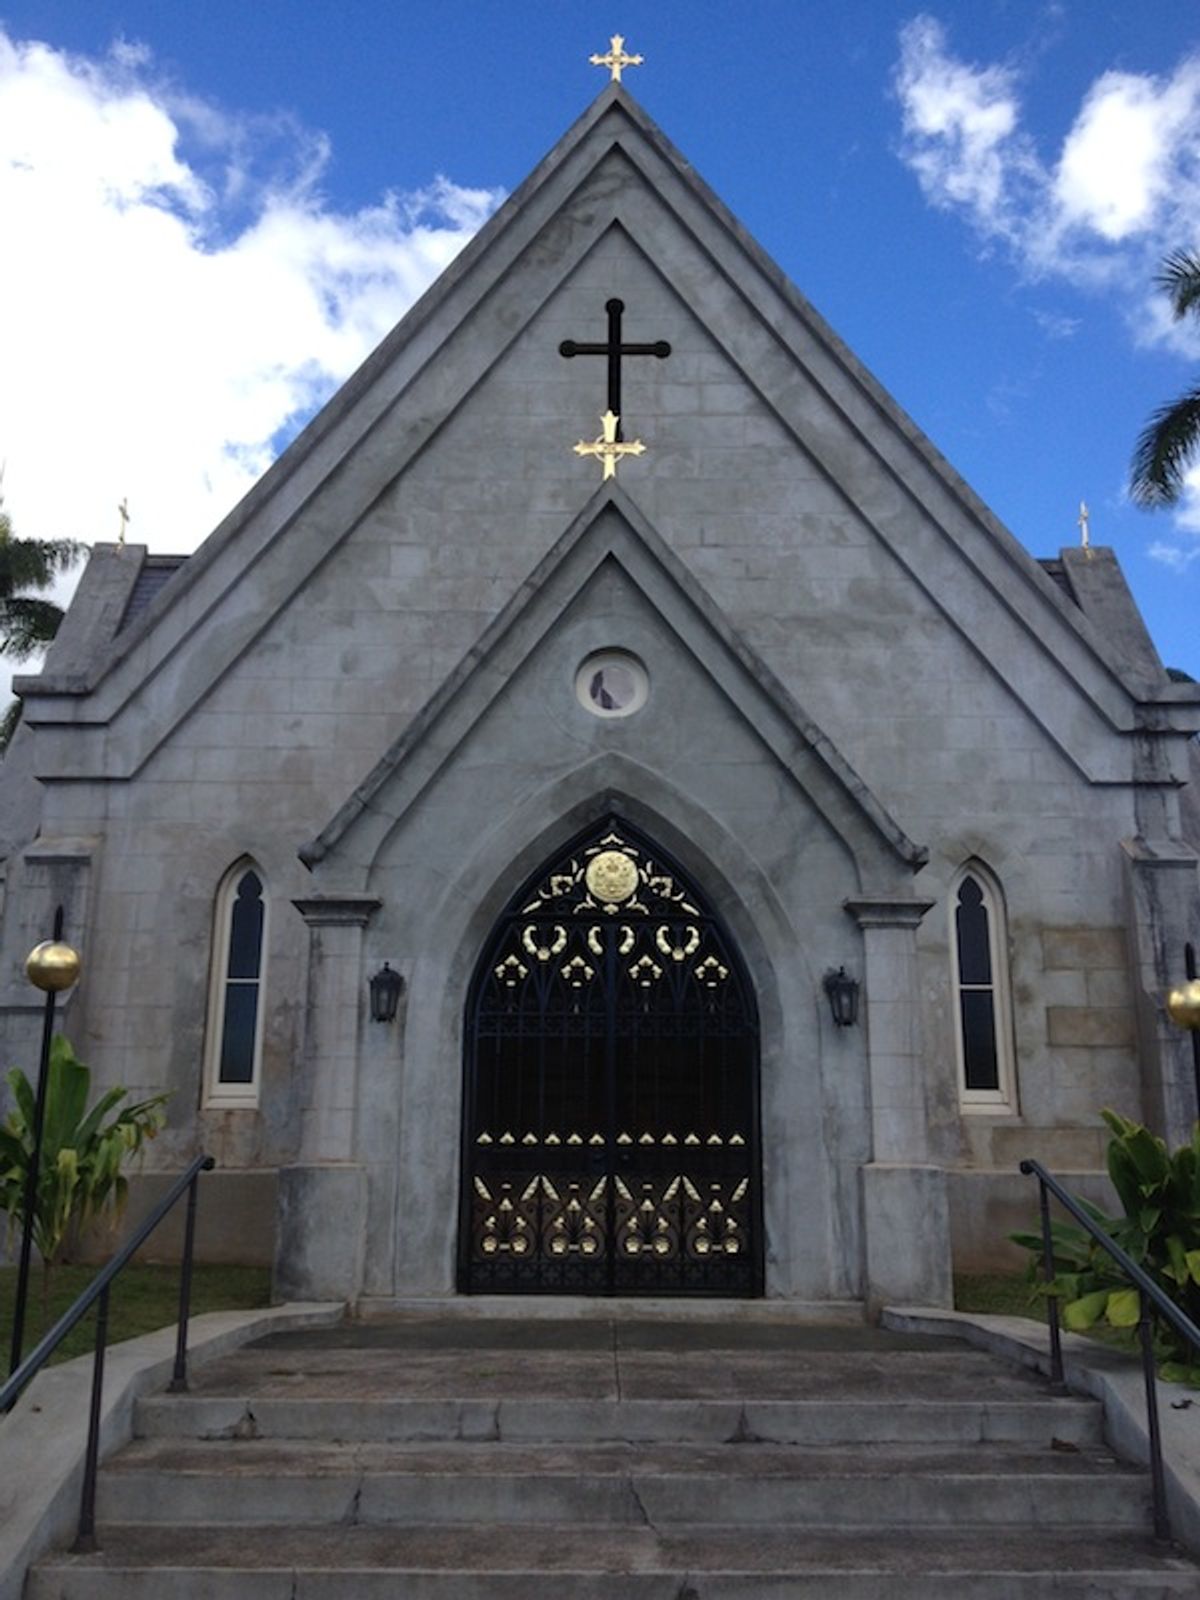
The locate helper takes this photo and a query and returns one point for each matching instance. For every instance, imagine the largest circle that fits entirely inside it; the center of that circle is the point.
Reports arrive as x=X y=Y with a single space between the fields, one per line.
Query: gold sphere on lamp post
x=1183 y=1004
x=52 y=966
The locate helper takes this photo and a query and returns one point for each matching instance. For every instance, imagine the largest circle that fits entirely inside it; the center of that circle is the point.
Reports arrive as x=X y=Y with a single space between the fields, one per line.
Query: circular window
x=612 y=683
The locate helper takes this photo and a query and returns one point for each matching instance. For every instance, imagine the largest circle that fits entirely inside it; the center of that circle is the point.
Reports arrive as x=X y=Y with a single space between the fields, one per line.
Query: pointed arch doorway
x=611 y=1107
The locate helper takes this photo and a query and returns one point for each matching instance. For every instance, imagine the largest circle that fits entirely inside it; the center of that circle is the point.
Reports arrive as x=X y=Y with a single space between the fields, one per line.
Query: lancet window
x=235 y=1011
x=983 y=1020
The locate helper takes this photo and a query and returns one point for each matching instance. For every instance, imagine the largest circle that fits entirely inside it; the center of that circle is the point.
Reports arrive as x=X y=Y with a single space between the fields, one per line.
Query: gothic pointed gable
x=612 y=201
x=611 y=536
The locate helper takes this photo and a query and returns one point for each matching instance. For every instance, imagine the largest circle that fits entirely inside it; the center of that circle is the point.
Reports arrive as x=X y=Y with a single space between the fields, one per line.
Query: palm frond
x=34 y=563
x=1179 y=279
x=10 y=720
x=1164 y=449
x=27 y=625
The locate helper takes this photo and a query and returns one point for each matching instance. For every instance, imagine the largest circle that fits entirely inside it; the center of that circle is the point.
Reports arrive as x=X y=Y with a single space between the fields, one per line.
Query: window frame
x=1002 y=1099
x=220 y=1095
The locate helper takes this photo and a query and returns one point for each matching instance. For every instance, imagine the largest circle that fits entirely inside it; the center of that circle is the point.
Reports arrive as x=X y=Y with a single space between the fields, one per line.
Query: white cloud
x=1057 y=326
x=1181 y=550
x=1121 y=191
x=960 y=125
x=1177 y=557
x=1101 y=212
x=182 y=295
x=1128 y=165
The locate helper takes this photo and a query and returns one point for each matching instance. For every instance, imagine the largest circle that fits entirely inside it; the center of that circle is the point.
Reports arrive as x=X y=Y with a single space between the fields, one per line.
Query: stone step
x=281 y=1367
x=161 y=1481
x=529 y=1562
x=1034 y=1419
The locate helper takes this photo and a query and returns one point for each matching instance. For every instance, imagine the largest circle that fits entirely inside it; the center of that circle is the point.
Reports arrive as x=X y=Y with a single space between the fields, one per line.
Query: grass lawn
x=1008 y=1295
x=141 y=1299
x=1000 y=1294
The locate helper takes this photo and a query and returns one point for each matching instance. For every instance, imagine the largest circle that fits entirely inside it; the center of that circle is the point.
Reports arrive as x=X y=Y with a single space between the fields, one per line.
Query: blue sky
x=220 y=208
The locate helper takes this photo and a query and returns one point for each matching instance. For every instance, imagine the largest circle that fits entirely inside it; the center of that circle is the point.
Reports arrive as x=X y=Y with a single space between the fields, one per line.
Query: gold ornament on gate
x=611 y=876
x=52 y=966
x=1183 y=1004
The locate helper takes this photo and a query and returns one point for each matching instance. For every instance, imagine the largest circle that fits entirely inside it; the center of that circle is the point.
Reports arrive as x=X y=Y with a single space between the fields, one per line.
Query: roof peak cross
x=615 y=58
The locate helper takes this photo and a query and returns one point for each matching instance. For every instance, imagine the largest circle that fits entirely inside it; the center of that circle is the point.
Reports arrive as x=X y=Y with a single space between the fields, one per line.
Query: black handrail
x=1149 y=1294
x=96 y=1294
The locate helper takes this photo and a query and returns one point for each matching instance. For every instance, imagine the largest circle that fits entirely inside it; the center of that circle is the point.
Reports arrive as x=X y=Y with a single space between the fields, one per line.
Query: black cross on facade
x=614 y=350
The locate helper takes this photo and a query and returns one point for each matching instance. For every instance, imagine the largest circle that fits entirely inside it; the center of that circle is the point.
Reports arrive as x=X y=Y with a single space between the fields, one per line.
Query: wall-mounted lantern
x=842 y=991
x=386 y=988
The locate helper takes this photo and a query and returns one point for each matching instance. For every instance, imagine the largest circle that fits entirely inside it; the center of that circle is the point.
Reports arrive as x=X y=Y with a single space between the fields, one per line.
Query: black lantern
x=843 y=997
x=386 y=988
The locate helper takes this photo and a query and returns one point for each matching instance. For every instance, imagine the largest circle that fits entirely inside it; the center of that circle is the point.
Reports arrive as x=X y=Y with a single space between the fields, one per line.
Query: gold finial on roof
x=615 y=59
x=1082 y=523
x=123 y=513
x=608 y=448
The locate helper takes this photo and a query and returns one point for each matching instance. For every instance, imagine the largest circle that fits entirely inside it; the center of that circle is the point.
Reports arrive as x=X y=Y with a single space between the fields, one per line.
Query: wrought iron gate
x=611 y=1141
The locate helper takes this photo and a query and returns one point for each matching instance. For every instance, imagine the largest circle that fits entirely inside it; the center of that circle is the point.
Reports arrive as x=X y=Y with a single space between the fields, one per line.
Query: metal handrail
x=1149 y=1294
x=96 y=1294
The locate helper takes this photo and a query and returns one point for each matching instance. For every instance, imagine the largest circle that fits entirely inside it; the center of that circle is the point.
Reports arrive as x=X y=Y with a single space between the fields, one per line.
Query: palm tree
x=27 y=621
x=1171 y=438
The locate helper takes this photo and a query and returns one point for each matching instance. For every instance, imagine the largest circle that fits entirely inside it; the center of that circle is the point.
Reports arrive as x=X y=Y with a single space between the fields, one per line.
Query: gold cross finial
x=123 y=513
x=1081 y=522
x=615 y=59
x=608 y=448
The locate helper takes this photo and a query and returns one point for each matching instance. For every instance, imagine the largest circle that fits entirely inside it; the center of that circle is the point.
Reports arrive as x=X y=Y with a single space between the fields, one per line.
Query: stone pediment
x=611 y=543
x=613 y=173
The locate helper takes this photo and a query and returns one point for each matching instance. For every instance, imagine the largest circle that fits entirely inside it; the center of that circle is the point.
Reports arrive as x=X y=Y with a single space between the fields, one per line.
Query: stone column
x=1162 y=888
x=323 y=1198
x=906 y=1219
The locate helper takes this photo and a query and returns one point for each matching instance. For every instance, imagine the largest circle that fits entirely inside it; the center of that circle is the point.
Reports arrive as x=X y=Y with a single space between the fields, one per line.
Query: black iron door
x=611 y=1110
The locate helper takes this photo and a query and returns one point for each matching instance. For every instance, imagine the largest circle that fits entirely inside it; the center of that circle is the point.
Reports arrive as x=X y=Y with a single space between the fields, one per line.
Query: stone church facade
x=617 y=774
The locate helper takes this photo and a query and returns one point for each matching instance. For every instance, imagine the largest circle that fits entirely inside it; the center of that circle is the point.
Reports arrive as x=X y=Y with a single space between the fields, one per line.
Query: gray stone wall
x=823 y=584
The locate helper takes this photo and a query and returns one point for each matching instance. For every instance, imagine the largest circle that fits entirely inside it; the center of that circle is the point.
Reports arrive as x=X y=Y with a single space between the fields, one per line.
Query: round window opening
x=612 y=683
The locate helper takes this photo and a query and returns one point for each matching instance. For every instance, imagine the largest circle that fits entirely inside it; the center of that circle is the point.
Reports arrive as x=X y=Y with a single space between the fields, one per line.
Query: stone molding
x=338 y=911
x=884 y=911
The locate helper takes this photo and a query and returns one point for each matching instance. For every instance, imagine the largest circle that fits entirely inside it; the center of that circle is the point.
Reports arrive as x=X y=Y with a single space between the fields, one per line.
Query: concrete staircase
x=597 y=1459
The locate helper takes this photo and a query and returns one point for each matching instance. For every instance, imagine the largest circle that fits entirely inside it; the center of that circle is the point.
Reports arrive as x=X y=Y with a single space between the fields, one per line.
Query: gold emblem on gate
x=611 y=876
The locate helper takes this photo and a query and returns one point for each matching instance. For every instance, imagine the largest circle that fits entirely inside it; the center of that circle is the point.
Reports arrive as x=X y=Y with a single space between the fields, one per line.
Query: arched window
x=982 y=1013
x=234 y=1047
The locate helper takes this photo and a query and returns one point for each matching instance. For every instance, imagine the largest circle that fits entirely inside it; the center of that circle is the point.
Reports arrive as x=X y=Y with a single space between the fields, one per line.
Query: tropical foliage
x=1169 y=441
x=28 y=622
x=1160 y=1231
x=83 y=1152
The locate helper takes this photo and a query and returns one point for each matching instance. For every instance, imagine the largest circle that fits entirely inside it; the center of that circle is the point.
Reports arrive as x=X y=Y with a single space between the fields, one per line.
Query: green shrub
x=83 y=1152
x=1160 y=1231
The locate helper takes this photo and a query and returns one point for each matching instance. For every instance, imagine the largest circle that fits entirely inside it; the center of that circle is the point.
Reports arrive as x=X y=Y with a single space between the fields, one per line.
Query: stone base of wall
x=985 y=1207
x=235 y=1219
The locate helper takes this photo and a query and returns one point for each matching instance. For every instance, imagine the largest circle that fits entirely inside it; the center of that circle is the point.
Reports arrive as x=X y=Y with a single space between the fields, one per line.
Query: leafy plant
x=28 y=622
x=1160 y=1231
x=83 y=1152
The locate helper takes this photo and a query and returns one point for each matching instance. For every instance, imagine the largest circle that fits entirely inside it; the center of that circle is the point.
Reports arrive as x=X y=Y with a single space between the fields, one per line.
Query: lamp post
x=1183 y=1008
x=52 y=967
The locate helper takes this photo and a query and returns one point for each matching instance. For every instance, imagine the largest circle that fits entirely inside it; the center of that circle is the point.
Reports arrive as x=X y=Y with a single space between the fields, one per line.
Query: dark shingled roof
x=1059 y=573
x=156 y=571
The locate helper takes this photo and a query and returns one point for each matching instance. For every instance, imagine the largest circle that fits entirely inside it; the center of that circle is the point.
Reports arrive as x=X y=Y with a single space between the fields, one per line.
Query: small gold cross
x=608 y=448
x=616 y=59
